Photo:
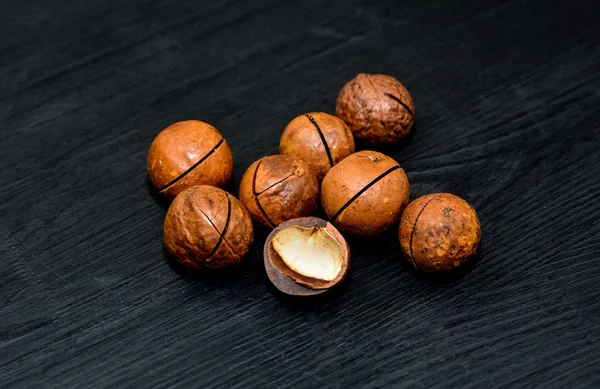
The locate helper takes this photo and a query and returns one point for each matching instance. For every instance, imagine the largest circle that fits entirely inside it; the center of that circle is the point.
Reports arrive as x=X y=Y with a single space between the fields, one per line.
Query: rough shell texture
x=294 y=284
x=365 y=193
x=377 y=108
x=186 y=154
x=206 y=226
x=439 y=232
x=279 y=188
x=319 y=139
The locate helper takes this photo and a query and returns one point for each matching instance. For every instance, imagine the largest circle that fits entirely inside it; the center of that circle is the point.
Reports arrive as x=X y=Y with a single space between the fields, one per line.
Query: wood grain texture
x=508 y=117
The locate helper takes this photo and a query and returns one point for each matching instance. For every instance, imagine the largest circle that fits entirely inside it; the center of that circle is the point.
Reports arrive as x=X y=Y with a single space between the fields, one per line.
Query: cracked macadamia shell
x=439 y=232
x=319 y=139
x=292 y=253
x=188 y=153
x=377 y=108
x=365 y=193
x=207 y=227
x=279 y=188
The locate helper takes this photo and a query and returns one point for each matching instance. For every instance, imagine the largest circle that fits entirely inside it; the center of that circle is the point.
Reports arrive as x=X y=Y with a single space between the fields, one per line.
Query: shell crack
x=276 y=183
x=412 y=232
x=323 y=140
x=403 y=104
x=221 y=234
x=363 y=190
x=185 y=173
x=258 y=204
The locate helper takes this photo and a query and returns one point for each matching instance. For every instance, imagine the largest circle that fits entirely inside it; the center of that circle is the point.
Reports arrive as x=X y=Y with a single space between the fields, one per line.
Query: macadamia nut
x=207 y=227
x=365 y=193
x=279 y=188
x=439 y=232
x=377 y=108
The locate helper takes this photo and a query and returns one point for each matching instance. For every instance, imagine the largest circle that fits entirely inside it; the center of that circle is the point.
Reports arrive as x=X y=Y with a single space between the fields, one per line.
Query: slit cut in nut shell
x=186 y=154
x=306 y=256
x=319 y=139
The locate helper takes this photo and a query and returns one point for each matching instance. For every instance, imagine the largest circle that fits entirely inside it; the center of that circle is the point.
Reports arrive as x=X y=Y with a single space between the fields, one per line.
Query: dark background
x=507 y=98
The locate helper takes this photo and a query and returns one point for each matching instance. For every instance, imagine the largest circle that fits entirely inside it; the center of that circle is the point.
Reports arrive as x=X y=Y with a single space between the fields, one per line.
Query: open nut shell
x=292 y=283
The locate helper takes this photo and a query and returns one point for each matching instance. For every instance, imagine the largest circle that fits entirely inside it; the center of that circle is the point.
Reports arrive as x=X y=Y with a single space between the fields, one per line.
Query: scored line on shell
x=276 y=183
x=222 y=236
x=363 y=190
x=403 y=104
x=256 y=200
x=412 y=231
x=323 y=140
x=185 y=173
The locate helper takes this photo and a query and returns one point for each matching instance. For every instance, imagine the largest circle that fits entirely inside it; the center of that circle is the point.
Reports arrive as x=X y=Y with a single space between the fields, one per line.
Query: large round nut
x=439 y=232
x=365 y=193
x=207 y=227
x=306 y=256
x=319 y=139
x=186 y=154
x=377 y=108
x=279 y=188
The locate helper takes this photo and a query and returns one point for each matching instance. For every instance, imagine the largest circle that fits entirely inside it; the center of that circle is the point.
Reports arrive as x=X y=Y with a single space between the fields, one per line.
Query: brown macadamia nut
x=186 y=154
x=439 y=232
x=306 y=256
x=279 y=188
x=365 y=193
x=377 y=108
x=207 y=227
x=319 y=139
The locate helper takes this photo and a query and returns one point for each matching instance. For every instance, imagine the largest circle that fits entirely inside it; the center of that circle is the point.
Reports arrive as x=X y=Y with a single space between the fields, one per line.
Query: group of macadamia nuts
x=361 y=194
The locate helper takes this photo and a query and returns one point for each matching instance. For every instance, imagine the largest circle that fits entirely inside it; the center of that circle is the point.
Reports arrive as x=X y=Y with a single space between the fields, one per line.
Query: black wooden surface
x=508 y=113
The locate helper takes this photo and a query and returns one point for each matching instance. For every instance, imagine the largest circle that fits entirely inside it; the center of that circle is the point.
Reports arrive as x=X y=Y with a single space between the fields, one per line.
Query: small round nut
x=319 y=139
x=279 y=188
x=377 y=108
x=207 y=227
x=365 y=193
x=439 y=232
x=188 y=153
x=306 y=256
